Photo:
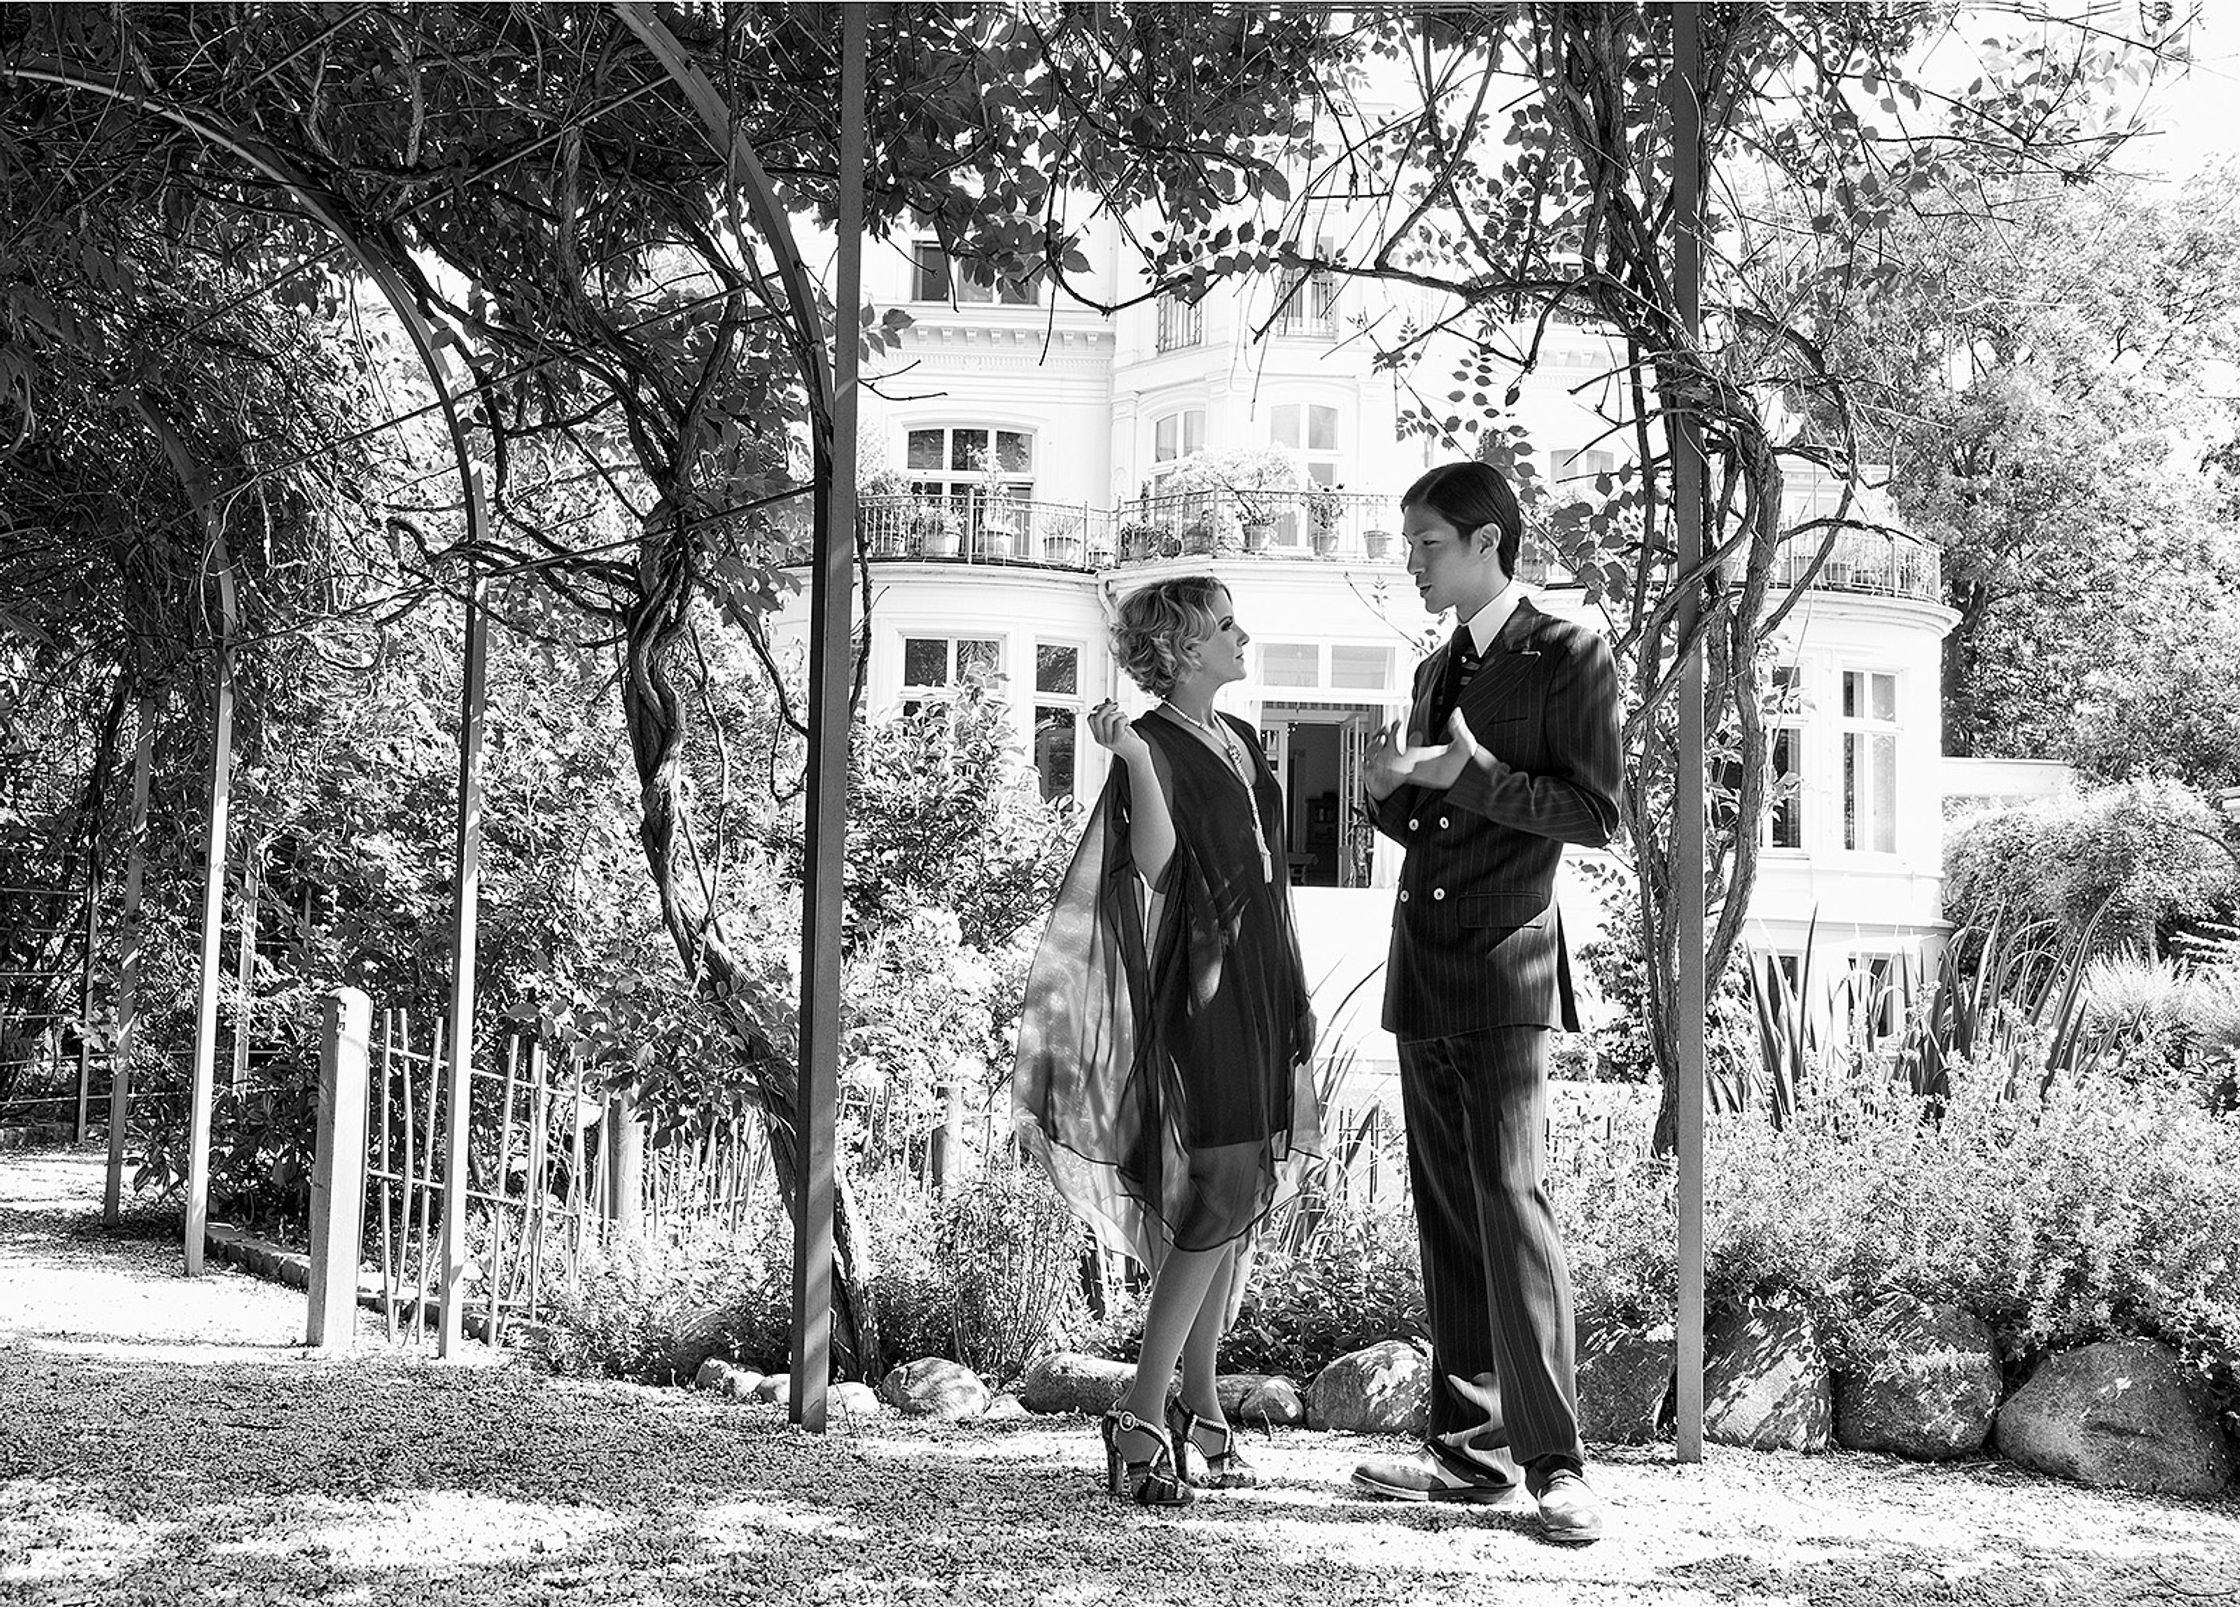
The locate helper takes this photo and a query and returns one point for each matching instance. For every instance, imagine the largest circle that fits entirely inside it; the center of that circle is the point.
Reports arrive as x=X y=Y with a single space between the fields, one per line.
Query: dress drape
x=1164 y=1075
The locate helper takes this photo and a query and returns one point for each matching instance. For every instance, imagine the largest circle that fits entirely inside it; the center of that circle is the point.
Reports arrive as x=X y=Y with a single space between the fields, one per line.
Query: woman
x=1163 y=1057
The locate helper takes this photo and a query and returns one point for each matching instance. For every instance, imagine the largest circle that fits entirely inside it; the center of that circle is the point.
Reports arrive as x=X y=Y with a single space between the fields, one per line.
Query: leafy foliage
x=2151 y=852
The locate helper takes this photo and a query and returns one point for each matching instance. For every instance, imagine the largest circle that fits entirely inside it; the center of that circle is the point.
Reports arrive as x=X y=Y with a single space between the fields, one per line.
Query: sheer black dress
x=1164 y=1059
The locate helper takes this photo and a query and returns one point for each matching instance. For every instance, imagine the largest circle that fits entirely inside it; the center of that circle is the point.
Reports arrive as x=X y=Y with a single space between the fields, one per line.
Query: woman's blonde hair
x=1156 y=634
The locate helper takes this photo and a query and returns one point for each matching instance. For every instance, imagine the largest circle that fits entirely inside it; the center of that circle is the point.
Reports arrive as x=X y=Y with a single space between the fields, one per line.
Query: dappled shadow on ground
x=160 y=1442
x=132 y=1481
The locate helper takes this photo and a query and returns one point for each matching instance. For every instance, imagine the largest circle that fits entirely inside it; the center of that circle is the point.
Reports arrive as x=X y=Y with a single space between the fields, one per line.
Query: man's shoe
x=1570 y=1511
x=1419 y=1478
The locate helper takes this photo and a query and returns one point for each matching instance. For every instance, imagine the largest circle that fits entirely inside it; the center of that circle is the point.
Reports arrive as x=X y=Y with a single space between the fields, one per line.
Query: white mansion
x=1021 y=470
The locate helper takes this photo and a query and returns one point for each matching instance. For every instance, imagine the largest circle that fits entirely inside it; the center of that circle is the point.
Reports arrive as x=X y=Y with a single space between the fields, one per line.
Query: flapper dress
x=1164 y=1075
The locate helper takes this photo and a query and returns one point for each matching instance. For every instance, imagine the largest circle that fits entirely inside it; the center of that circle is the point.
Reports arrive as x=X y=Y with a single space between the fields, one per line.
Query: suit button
x=1438 y=893
x=1443 y=822
x=1403 y=895
x=1413 y=824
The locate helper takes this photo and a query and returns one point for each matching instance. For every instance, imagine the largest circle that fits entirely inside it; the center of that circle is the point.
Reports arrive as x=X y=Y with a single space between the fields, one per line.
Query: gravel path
x=165 y=1440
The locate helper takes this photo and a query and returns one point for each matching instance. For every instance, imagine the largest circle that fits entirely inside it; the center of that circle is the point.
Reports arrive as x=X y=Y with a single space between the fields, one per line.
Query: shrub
x=652 y=1312
x=2096 y=1209
x=1011 y=1251
x=2152 y=850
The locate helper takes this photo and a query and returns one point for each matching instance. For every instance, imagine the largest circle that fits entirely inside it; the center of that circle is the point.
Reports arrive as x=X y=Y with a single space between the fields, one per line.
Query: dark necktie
x=1462 y=663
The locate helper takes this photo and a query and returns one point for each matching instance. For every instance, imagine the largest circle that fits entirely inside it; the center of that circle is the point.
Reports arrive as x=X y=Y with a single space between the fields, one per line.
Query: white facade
x=1038 y=428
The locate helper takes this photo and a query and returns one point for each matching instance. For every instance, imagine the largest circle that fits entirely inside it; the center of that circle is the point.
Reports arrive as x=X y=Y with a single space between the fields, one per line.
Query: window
x=1572 y=474
x=1311 y=430
x=1181 y=324
x=1785 y=820
x=931 y=665
x=1361 y=669
x=1878 y=984
x=1307 y=303
x=1290 y=664
x=1176 y=436
x=938 y=277
x=982 y=474
x=1057 y=716
x=1870 y=761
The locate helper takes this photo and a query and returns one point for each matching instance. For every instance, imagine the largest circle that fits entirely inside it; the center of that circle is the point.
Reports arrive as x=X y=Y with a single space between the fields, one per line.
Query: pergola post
x=1688 y=800
x=202 y=1087
x=829 y=646
x=128 y=969
x=466 y=892
x=830 y=380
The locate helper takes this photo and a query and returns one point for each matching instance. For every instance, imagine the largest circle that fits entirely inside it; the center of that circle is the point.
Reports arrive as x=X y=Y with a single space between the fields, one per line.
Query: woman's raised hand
x=1111 y=729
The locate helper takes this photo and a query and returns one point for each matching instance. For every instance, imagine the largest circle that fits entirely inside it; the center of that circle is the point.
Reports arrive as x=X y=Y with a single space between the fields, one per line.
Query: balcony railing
x=987 y=530
x=1336 y=526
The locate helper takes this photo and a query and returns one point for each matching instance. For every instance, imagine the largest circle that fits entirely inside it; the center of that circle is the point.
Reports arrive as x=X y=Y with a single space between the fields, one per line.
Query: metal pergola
x=830 y=378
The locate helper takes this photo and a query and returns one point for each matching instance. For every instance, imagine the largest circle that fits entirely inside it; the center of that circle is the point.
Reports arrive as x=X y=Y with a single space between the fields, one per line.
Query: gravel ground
x=165 y=1440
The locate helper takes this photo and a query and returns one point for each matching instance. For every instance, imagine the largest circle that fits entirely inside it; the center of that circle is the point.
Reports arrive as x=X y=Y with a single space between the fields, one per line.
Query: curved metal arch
x=466 y=874
x=316 y=205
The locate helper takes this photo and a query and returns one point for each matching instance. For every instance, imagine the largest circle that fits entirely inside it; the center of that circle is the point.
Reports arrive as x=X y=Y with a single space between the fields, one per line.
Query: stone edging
x=261 y=1258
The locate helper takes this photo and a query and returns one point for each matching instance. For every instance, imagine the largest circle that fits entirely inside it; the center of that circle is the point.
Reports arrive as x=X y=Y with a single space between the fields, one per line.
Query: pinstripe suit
x=1478 y=974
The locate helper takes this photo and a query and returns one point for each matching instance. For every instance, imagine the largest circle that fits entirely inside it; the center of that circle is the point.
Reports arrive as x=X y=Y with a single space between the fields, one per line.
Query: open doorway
x=1316 y=754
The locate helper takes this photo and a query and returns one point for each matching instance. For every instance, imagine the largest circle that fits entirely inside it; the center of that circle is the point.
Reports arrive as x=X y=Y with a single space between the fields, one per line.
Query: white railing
x=1339 y=526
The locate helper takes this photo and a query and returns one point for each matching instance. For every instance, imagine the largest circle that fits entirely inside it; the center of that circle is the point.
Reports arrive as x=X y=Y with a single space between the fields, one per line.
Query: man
x=1511 y=751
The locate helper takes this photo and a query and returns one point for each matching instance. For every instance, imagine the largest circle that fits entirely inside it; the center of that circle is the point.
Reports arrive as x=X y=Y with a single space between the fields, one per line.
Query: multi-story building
x=1027 y=461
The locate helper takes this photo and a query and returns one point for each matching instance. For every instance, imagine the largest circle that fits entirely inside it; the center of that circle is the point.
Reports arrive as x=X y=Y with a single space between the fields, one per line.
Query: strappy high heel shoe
x=1154 y=1481
x=1225 y=1467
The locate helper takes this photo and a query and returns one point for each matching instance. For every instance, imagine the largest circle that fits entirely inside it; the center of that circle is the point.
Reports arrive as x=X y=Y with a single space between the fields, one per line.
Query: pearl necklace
x=1226 y=739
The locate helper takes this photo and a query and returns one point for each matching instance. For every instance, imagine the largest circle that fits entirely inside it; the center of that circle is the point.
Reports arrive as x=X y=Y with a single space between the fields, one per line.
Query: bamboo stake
x=245 y=965
x=411 y=1179
x=540 y=1168
x=427 y=1179
x=388 y=1263
x=498 y=1185
x=577 y=1193
x=128 y=969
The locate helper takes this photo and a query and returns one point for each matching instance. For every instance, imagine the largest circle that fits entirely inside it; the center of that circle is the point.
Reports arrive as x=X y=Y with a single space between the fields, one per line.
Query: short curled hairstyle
x=1156 y=634
x=1472 y=496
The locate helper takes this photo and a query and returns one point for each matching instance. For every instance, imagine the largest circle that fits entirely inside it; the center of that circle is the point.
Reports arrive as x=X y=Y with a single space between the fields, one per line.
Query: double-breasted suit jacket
x=1477 y=939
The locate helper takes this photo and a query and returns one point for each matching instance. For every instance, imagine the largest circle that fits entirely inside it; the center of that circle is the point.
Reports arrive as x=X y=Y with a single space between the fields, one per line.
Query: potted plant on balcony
x=934 y=528
x=1200 y=536
x=1061 y=537
x=1324 y=509
x=999 y=528
x=1142 y=538
x=1377 y=544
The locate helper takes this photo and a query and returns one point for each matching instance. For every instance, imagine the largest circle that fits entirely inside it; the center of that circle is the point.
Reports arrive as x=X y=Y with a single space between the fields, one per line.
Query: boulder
x=1232 y=1388
x=1275 y=1403
x=852 y=1400
x=935 y=1387
x=742 y=1384
x=1004 y=1408
x=1924 y=1384
x=712 y=1374
x=1623 y=1380
x=1384 y=1388
x=1765 y=1379
x=1067 y=1381
x=2122 y=1412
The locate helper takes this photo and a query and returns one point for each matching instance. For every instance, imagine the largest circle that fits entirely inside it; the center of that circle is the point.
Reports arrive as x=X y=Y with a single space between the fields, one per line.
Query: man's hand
x=1391 y=764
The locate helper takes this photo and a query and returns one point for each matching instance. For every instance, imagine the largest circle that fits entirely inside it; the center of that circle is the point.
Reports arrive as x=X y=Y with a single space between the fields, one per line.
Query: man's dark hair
x=1471 y=497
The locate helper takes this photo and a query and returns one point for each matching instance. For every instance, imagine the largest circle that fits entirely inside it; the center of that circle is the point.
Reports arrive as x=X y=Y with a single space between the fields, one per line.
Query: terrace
x=1320 y=524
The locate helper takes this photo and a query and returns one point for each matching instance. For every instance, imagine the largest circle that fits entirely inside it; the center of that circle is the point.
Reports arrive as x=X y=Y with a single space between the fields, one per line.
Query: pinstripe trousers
x=1495 y=1284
